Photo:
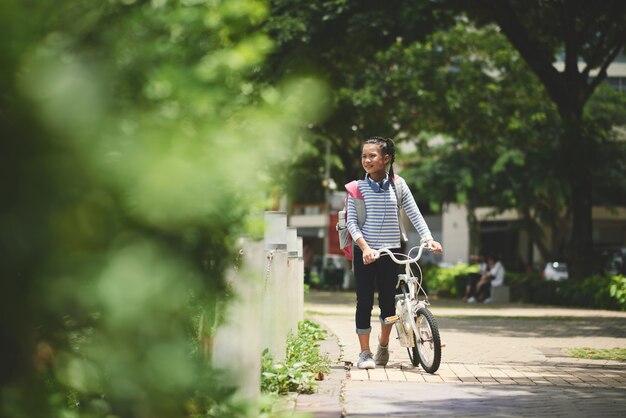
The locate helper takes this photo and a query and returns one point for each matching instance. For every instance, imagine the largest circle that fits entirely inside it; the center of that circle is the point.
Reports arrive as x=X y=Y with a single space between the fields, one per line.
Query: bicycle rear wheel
x=427 y=349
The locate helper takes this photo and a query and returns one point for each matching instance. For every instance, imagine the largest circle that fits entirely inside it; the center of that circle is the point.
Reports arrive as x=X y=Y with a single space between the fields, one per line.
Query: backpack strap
x=353 y=190
x=355 y=194
x=399 y=186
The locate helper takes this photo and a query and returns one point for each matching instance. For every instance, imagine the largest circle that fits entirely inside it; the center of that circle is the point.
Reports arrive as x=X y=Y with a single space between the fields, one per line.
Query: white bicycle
x=414 y=323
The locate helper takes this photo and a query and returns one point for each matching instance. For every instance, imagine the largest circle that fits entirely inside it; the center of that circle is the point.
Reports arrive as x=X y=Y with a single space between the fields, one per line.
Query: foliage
x=617 y=290
x=606 y=110
x=302 y=363
x=598 y=353
x=524 y=287
x=444 y=280
x=127 y=174
x=316 y=280
x=598 y=292
x=338 y=40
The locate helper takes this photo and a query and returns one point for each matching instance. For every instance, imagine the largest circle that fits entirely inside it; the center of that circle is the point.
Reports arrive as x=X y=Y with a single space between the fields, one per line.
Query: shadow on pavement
x=410 y=400
x=537 y=326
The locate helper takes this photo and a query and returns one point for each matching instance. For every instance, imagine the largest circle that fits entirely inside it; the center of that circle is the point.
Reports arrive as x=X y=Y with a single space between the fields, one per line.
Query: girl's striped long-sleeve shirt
x=382 y=227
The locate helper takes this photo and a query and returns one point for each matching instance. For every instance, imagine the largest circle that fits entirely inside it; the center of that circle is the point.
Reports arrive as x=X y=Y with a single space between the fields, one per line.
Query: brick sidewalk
x=490 y=362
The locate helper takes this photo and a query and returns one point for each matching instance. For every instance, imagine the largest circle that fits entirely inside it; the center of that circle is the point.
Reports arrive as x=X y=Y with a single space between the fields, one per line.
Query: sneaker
x=366 y=361
x=488 y=300
x=471 y=300
x=382 y=355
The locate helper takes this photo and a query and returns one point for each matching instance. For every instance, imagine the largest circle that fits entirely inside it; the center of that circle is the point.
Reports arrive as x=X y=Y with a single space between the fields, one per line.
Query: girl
x=381 y=229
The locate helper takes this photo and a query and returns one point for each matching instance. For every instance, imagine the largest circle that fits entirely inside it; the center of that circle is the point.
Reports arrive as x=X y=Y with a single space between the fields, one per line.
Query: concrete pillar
x=455 y=234
x=300 y=282
x=275 y=297
x=274 y=292
x=237 y=341
x=268 y=303
x=292 y=281
x=275 y=237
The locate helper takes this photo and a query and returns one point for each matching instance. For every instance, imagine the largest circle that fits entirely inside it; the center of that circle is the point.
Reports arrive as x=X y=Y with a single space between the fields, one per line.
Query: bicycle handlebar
x=409 y=260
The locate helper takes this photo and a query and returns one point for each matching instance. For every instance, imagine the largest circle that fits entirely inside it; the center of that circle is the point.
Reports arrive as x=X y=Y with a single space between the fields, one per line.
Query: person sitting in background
x=493 y=277
x=473 y=278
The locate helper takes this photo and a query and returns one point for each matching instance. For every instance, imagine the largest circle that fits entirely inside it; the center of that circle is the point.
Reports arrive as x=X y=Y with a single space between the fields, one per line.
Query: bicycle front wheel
x=427 y=348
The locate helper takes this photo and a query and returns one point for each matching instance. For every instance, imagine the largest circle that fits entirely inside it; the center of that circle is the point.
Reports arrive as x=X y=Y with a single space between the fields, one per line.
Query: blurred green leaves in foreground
x=138 y=144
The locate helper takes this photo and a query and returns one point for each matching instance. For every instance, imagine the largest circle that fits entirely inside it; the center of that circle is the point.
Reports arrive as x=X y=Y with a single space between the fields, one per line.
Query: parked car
x=555 y=270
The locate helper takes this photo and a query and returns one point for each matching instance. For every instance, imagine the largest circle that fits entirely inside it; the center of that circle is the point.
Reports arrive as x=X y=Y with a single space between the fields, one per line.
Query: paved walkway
x=506 y=361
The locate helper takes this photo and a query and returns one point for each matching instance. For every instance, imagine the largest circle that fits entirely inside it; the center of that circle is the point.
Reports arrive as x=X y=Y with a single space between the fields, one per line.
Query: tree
x=487 y=127
x=338 y=40
x=127 y=176
x=324 y=39
x=588 y=36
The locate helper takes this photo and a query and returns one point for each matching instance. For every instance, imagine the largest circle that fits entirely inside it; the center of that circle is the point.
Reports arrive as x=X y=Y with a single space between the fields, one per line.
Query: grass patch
x=598 y=353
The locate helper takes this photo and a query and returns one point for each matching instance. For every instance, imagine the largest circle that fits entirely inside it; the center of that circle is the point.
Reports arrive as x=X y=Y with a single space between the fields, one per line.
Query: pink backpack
x=345 y=239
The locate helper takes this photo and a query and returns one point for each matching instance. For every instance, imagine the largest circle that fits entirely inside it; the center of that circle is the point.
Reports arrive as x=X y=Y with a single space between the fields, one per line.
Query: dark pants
x=381 y=275
x=472 y=281
x=484 y=292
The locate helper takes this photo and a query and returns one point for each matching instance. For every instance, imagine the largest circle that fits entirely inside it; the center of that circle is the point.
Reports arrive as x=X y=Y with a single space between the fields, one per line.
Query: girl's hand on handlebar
x=434 y=246
x=369 y=256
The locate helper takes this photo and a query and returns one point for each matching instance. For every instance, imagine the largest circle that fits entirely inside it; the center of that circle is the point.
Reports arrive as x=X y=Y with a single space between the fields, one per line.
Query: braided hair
x=388 y=147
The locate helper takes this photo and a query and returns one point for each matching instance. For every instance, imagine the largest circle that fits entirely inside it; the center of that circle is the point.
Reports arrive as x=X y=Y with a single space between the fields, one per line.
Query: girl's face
x=373 y=160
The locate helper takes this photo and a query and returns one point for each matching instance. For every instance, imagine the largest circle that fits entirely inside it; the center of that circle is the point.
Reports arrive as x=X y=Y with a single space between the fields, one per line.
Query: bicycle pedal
x=391 y=319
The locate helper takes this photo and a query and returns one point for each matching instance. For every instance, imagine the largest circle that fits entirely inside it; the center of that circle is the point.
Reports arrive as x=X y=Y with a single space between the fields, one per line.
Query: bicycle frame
x=410 y=297
x=414 y=285
x=416 y=327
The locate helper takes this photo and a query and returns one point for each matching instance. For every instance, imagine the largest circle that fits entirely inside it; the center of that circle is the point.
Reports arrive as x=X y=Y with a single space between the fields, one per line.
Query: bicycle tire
x=427 y=349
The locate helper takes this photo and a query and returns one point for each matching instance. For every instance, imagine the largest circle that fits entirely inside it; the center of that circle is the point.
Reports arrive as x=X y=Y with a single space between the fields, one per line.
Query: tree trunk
x=535 y=236
x=561 y=233
x=580 y=257
x=578 y=150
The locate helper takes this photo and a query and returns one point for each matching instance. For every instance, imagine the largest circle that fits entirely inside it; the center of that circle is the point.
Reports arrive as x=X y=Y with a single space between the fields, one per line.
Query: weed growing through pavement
x=303 y=363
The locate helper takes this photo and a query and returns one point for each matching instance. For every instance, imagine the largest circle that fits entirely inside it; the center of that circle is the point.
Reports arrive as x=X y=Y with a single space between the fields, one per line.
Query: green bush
x=617 y=290
x=599 y=292
x=529 y=288
x=605 y=292
x=303 y=362
x=117 y=118
x=448 y=280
